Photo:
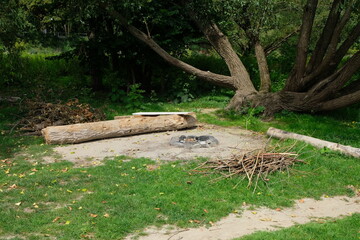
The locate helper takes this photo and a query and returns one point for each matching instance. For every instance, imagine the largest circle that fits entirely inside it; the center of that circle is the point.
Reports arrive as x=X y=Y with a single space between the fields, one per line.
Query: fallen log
x=121 y=126
x=281 y=134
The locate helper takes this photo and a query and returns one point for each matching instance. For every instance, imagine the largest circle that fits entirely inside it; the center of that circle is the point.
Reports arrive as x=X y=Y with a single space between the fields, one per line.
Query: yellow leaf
x=254 y=212
x=106 y=215
x=69 y=191
x=67 y=222
x=18 y=203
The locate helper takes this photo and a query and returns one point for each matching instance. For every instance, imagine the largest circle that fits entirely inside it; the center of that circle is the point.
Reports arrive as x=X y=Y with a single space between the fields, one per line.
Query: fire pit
x=204 y=141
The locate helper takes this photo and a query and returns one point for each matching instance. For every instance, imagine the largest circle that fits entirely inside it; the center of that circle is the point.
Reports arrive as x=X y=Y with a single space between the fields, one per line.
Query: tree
x=321 y=78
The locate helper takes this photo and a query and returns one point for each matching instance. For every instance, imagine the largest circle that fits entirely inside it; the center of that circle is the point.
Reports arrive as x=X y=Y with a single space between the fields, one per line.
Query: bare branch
x=277 y=43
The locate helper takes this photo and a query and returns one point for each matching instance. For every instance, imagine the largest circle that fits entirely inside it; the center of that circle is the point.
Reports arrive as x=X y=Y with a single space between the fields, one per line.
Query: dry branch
x=281 y=134
x=252 y=165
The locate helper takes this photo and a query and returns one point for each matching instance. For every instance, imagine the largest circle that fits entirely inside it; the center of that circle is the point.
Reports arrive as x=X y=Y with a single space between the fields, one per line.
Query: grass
x=110 y=201
x=347 y=229
x=39 y=200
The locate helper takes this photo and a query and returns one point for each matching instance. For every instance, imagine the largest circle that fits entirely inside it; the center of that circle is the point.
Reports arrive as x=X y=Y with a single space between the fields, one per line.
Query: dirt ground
x=156 y=146
x=260 y=219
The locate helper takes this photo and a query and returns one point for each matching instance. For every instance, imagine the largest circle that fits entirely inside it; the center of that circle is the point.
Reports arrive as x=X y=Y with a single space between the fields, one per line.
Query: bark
x=265 y=81
x=326 y=36
x=281 y=134
x=328 y=87
x=124 y=126
x=333 y=57
x=223 y=46
x=292 y=83
x=272 y=102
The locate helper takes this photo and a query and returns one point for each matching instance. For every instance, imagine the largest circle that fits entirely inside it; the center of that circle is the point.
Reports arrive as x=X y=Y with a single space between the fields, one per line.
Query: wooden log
x=281 y=134
x=123 y=126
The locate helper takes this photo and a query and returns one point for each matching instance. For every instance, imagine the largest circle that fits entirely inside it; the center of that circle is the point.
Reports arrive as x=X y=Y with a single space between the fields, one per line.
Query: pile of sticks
x=252 y=165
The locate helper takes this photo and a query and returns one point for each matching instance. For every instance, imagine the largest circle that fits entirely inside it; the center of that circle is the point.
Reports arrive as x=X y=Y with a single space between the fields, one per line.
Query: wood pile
x=252 y=165
x=39 y=115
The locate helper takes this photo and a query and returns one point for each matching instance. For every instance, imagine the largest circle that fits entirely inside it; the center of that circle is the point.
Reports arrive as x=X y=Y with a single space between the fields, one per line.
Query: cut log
x=281 y=134
x=122 y=126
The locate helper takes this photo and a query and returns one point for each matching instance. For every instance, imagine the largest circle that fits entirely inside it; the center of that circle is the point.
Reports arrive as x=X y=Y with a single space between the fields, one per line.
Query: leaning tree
x=321 y=78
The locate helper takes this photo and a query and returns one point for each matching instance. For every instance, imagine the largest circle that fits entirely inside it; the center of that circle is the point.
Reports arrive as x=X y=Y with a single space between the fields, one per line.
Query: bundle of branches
x=39 y=114
x=252 y=165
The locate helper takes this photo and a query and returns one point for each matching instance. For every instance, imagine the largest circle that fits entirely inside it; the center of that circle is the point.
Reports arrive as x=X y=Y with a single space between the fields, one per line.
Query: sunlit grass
x=347 y=228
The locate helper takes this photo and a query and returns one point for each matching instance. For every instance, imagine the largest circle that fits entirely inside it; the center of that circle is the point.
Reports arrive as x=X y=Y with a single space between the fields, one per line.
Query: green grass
x=345 y=229
x=39 y=201
x=126 y=197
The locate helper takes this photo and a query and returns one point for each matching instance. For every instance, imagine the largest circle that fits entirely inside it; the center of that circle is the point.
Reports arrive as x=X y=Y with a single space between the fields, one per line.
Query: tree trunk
x=265 y=81
x=123 y=126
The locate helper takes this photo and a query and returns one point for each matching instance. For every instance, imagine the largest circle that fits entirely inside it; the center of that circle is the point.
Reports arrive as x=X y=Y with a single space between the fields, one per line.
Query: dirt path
x=261 y=219
x=156 y=146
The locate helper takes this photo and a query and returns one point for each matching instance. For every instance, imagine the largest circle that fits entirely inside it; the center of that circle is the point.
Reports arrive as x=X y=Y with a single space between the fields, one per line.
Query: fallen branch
x=281 y=134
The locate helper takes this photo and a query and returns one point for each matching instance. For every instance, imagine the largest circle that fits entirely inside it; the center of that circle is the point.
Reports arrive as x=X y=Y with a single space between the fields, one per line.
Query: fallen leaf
x=67 y=222
x=254 y=212
x=278 y=209
x=174 y=203
x=206 y=211
x=106 y=215
x=301 y=201
x=56 y=219
x=158 y=209
x=93 y=215
x=266 y=219
x=13 y=186
x=211 y=223
x=18 y=203
x=70 y=208
x=197 y=221
x=103 y=201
